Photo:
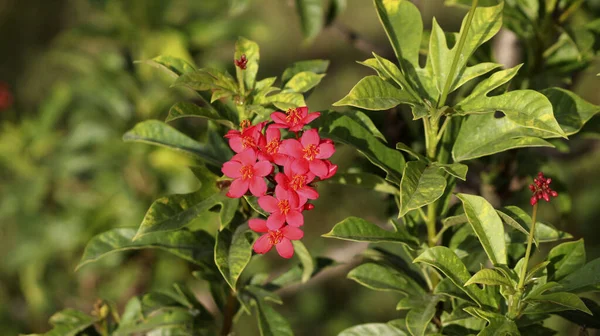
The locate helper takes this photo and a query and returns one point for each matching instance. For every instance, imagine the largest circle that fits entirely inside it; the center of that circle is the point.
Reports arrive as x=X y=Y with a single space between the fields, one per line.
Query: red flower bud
x=533 y=200
x=553 y=193
x=309 y=206
x=241 y=63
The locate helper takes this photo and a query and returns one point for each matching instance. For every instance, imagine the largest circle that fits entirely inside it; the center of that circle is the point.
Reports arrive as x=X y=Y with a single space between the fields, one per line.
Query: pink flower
x=249 y=137
x=247 y=174
x=294 y=118
x=284 y=208
x=331 y=169
x=272 y=149
x=281 y=238
x=296 y=183
x=309 y=153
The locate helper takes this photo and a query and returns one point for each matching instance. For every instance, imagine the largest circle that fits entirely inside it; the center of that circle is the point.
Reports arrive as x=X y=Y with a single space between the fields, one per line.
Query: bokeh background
x=70 y=88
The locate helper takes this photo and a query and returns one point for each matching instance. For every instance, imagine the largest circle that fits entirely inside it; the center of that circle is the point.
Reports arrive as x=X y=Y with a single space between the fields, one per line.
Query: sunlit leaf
x=421 y=185
x=373 y=93
x=565 y=259
x=303 y=82
x=251 y=51
x=384 y=278
x=233 y=251
x=187 y=110
x=358 y=229
x=553 y=302
x=372 y=329
x=489 y=277
x=317 y=66
x=308 y=264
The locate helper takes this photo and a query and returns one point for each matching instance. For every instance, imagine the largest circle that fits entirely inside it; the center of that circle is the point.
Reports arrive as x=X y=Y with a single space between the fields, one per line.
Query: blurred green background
x=66 y=175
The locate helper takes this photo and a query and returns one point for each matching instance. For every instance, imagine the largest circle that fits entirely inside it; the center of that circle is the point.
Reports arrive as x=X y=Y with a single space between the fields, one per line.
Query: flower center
x=284 y=206
x=310 y=152
x=298 y=182
x=273 y=146
x=248 y=142
x=275 y=237
x=245 y=124
x=247 y=172
x=293 y=116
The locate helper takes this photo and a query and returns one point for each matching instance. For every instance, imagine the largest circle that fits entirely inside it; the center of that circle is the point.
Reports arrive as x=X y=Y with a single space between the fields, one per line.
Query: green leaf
x=303 y=82
x=487 y=226
x=343 y=129
x=520 y=220
x=455 y=220
x=363 y=180
x=583 y=278
x=420 y=185
x=336 y=7
x=374 y=93
x=539 y=268
x=489 y=277
x=173 y=65
x=253 y=203
x=366 y=122
x=384 y=278
x=196 y=247
x=259 y=293
x=186 y=110
x=270 y=322
x=358 y=229
x=565 y=259
x=457 y=170
x=295 y=274
x=69 y=322
x=448 y=288
x=317 y=66
x=584 y=319
x=233 y=251
x=483 y=134
x=447 y=262
x=158 y=133
x=372 y=329
x=418 y=318
x=312 y=17
x=285 y=100
x=554 y=302
x=308 y=264
x=207 y=79
x=570 y=110
x=250 y=49
x=498 y=325
x=472 y=72
x=176 y=211
x=236 y=7
x=412 y=152
x=167 y=317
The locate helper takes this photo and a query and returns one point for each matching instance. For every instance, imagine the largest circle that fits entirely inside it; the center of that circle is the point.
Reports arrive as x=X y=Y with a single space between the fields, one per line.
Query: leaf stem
x=422 y=214
x=442 y=129
x=459 y=47
x=528 y=252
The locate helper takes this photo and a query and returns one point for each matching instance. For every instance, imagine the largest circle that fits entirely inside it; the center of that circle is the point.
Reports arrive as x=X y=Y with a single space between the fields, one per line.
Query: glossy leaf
x=303 y=82
x=317 y=66
x=196 y=247
x=358 y=229
x=497 y=324
x=583 y=278
x=420 y=185
x=285 y=100
x=457 y=170
x=384 y=278
x=419 y=317
x=520 y=220
x=447 y=262
x=158 y=133
x=343 y=129
x=233 y=251
x=251 y=51
x=373 y=93
x=172 y=65
x=207 y=79
x=308 y=264
x=363 y=180
x=565 y=259
x=448 y=288
x=405 y=148
x=487 y=226
x=372 y=329
x=584 y=319
x=312 y=17
x=553 y=302
x=187 y=110
x=570 y=110
x=489 y=277
x=270 y=322
x=366 y=122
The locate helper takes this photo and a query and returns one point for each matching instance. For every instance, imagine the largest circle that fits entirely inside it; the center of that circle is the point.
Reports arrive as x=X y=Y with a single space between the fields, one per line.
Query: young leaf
x=373 y=93
x=448 y=263
x=455 y=220
x=285 y=100
x=233 y=251
x=384 y=278
x=583 y=278
x=317 y=66
x=158 y=133
x=186 y=110
x=358 y=229
x=420 y=185
x=303 y=82
x=489 y=277
x=372 y=329
x=312 y=17
x=251 y=51
x=308 y=264
x=553 y=302
x=565 y=259
x=487 y=226
x=196 y=247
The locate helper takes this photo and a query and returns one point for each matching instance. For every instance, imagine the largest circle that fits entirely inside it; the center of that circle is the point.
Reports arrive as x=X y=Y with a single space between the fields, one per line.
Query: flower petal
x=258 y=187
x=280 y=159
x=258 y=225
x=238 y=188
x=292 y=147
x=262 y=245
x=302 y=111
x=281 y=179
x=294 y=218
x=268 y=203
x=273 y=133
x=310 y=137
x=279 y=117
x=235 y=142
x=247 y=157
x=232 y=169
x=319 y=168
x=300 y=166
x=275 y=221
x=263 y=168
x=310 y=117
x=326 y=150
x=285 y=248
x=281 y=194
x=292 y=233
x=308 y=192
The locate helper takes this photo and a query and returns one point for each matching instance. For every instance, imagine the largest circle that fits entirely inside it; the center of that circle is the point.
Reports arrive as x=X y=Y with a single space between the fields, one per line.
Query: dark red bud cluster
x=241 y=63
x=541 y=189
x=6 y=97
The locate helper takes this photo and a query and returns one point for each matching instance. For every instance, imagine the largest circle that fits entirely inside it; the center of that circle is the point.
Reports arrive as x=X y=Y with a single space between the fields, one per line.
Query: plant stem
x=459 y=47
x=528 y=252
x=431 y=219
x=228 y=314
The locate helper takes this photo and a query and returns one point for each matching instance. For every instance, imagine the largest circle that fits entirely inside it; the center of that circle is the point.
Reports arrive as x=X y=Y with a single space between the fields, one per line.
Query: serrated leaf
x=317 y=66
x=308 y=264
x=447 y=262
x=303 y=82
x=358 y=229
x=373 y=93
x=271 y=323
x=372 y=329
x=457 y=170
x=187 y=110
x=233 y=250
x=343 y=129
x=553 y=302
x=249 y=48
x=173 y=65
x=196 y=247
x=312 y=17
x=384 y=278
x=487 y=226
x=420 y=185
x=565 y=259
x=363 y=180
x=158 y=133
x=583 y=278
x=489 y=277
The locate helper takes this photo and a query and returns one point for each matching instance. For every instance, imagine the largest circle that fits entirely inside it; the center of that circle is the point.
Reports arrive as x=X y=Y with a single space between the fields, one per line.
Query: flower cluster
x=280 y=172
x=6 y=97
x=541 y=189
x=241 y=63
